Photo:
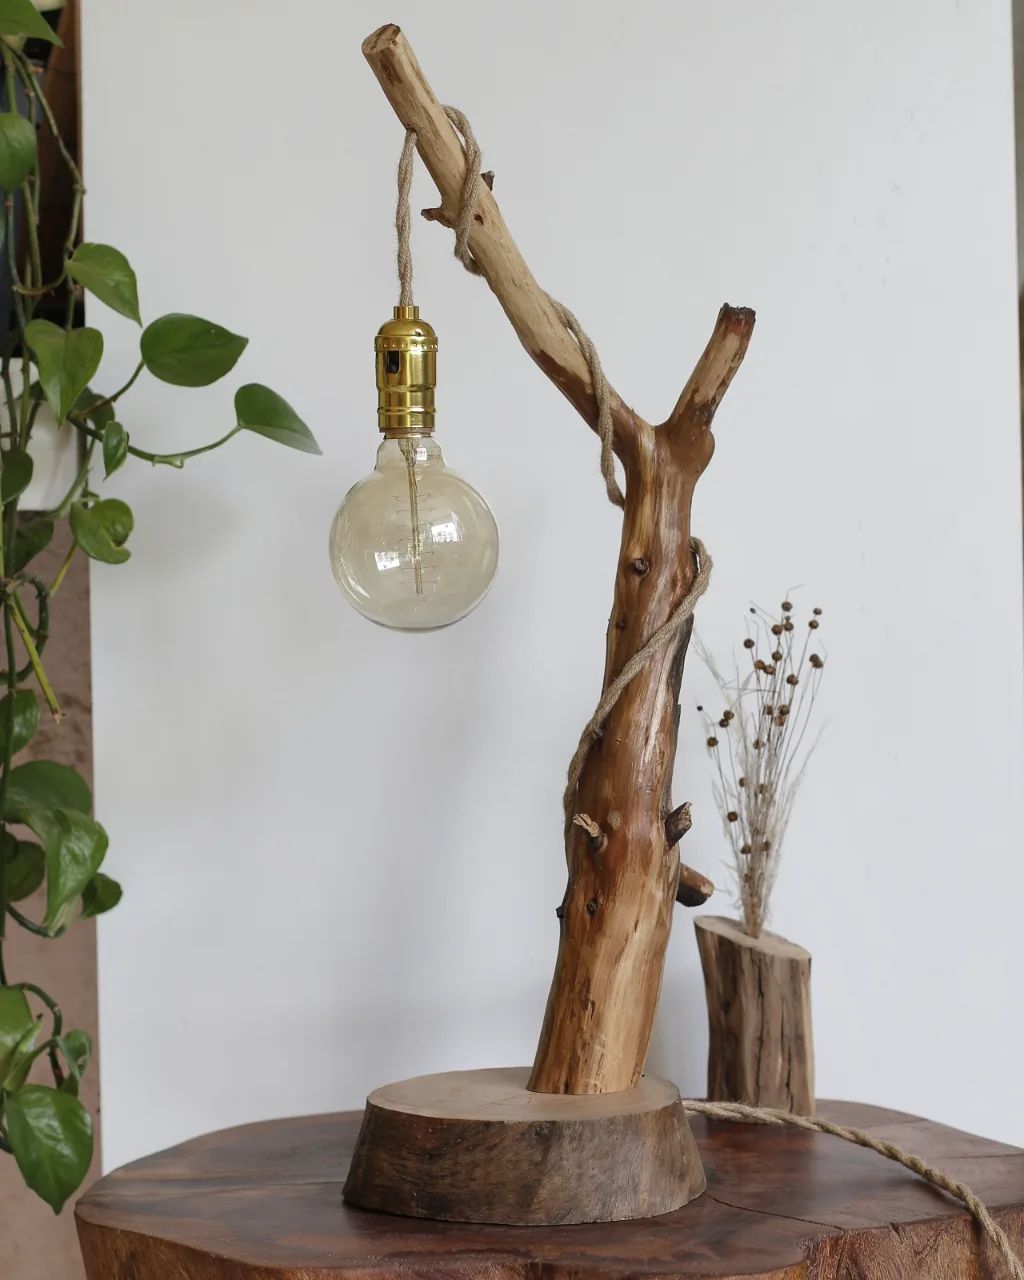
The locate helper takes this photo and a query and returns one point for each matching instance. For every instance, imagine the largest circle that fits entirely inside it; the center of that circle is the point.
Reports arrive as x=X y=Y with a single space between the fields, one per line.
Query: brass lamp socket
x=406 y=352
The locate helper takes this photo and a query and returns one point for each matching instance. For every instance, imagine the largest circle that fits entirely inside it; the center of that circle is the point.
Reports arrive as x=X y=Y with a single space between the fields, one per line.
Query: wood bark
x=478 y=1146
x=263 y=1202
x=617 y=912
x=761 y=1050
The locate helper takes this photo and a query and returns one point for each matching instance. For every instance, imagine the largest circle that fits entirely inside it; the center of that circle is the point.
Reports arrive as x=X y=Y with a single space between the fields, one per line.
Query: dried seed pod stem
x=761 y=761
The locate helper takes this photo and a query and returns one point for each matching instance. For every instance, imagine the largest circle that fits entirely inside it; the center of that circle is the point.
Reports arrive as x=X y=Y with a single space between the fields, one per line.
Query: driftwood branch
x=525 y=303
x=617 y=912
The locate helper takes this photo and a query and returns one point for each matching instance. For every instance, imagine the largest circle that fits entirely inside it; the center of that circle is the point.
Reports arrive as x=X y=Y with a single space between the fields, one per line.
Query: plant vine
x=51 y=846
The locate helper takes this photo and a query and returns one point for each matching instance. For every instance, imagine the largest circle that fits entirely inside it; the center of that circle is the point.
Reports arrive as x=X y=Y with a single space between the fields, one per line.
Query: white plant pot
x=56 y=456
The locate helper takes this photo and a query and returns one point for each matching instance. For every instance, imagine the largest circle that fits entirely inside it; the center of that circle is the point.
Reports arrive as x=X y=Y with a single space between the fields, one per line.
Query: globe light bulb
x=413 y=546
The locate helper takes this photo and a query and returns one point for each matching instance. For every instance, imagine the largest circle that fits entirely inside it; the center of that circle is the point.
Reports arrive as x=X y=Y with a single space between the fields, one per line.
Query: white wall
x=340 y=846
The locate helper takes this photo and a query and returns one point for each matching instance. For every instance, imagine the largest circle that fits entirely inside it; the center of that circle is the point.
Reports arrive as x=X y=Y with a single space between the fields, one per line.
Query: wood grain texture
x=761 y=1048
x=617 y=911
x=478 y=1146
x=263 y=1202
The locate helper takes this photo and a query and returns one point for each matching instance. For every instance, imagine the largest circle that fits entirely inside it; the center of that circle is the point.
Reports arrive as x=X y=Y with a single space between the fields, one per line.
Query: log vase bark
x=761 y=1050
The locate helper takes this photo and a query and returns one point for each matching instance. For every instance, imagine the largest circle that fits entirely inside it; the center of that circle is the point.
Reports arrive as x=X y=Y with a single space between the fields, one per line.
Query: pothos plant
x=51 y=846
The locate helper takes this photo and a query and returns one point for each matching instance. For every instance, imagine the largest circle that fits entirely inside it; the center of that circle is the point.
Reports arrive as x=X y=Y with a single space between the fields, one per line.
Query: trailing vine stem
x=25 y=293
x=57 y=356
x=168 y=459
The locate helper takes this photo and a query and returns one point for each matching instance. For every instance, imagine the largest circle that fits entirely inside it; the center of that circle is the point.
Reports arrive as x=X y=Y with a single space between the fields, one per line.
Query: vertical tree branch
x=617 y=911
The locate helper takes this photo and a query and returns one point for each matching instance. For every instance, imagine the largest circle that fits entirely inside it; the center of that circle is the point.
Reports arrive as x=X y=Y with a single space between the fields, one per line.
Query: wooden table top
x=264 y=1200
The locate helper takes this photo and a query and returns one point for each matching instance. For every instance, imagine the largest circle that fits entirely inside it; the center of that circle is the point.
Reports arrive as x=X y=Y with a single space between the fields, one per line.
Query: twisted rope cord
x=639 y=660
x=403 y=219
x=731 y=1111
x=959 y=1191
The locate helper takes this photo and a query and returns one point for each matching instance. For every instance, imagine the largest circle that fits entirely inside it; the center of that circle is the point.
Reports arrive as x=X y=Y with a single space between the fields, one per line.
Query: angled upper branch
x=688 y=426
x=523 y=300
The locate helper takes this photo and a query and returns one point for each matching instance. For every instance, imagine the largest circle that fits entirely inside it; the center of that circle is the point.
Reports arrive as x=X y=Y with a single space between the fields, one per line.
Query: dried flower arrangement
x=757 y=746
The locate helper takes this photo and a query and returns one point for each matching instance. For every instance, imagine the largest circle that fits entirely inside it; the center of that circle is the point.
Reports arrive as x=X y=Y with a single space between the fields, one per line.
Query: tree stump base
x=760 y=1046
x=478 y=1146
x=263 y=1202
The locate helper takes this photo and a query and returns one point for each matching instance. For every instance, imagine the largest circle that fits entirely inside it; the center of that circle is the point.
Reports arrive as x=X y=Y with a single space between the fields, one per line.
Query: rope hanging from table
x=731 y=1111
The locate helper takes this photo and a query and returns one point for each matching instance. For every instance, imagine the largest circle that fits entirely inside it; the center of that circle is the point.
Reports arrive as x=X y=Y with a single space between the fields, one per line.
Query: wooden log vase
x=760 y=1050
x=617 y=912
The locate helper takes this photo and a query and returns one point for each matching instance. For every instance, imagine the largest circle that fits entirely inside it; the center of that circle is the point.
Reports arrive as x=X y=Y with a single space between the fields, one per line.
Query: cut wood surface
x=760 y=1049
x=617 y=912
x=478 y=1146
x=264 y=1202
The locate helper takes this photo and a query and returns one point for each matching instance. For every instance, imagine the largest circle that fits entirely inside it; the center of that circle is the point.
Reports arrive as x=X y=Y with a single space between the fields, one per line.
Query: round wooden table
x=263 y=1202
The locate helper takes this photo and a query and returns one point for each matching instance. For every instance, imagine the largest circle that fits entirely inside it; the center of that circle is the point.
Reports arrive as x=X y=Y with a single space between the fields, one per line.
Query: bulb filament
x=408 y=448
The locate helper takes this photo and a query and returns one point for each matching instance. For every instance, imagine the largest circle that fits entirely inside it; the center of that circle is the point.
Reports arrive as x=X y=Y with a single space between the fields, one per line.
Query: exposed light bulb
x=413 y=546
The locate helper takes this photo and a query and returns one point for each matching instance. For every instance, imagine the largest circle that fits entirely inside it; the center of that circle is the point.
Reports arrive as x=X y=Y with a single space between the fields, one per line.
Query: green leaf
x=16 y=474
x=17 y=150
x=23 y=1055
x=261 y=410
x=74 y=846
x=66 y=361
x=26 y=867
x=102 y=529
x=51 y=1136
x=188 y=351
x=26 y=718
x=75 y=1048
x=16 y=1021
x=21 y=18
x=115 y=447
x=100 y=894
x=45 y=784
x=106 y=273
x=29 y=540
x=94 y=408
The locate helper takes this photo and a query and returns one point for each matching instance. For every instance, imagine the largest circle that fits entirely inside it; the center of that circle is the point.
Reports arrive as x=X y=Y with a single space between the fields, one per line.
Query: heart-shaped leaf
x=45 y=784
x=115 y=448
x=26 y=867
x=29 y=540
x=66 y=361
x=17 y=150
x=188 y=351
x=26 y=717
x=100 y=894
x=102 y=529
x=22 y=18
x=16 y=474
x=106 y=273
x=51 y=1136
x=74 y=846
x=15 y=1021
x=259 y=409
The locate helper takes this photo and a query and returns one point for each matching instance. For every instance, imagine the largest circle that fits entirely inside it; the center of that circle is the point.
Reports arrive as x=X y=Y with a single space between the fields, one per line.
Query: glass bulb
x=413 y=546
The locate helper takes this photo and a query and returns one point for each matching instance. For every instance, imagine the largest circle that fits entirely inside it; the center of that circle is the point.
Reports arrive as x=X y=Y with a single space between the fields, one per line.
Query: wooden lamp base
x=478 y=1146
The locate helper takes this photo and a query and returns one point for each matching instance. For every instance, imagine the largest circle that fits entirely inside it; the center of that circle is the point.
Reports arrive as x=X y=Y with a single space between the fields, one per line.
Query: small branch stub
x=678 y=822
x=694 y=889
